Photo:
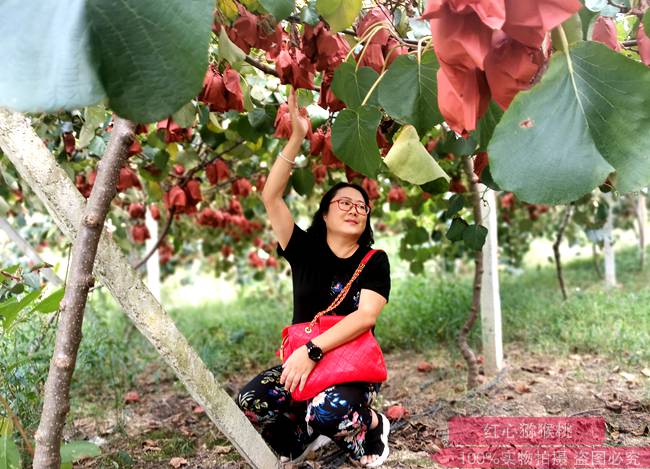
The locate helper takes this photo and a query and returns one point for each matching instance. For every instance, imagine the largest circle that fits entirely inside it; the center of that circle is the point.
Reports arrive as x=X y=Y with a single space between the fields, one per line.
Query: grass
x=426 y=312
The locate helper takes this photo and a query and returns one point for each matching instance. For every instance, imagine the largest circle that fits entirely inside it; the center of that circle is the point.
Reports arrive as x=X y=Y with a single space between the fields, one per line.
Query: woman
x=322 y=261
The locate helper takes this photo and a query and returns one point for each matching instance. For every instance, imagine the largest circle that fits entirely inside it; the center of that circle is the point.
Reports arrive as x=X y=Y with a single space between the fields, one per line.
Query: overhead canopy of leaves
x=152 y=56
x=354 y=139
x=408 y=91
x=587 y=117
x=339 y=14
x=148 y=58
x=47 y=62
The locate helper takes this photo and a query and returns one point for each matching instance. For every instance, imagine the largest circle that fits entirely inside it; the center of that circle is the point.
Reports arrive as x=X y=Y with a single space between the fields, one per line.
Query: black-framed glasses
x=346 y=204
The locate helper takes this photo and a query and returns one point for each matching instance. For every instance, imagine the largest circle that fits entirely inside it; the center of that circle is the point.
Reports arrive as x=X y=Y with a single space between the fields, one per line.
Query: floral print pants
x=340 y=412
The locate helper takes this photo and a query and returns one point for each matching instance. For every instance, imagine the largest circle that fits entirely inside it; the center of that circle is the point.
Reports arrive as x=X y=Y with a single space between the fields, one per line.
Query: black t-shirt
x=319 y=275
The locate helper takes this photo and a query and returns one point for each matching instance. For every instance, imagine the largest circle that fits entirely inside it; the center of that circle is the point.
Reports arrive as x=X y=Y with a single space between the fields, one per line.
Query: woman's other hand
x=296 y=369
x=299 y=123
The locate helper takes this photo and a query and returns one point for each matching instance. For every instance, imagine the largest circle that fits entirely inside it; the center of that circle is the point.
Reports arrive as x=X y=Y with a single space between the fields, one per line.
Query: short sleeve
x=376 y=275
x=296 y=247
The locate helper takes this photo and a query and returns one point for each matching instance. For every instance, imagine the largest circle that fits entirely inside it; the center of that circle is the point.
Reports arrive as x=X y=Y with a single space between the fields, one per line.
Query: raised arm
x=276 y=209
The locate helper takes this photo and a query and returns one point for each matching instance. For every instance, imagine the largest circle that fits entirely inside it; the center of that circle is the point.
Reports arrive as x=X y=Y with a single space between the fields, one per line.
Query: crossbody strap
x=341 y=296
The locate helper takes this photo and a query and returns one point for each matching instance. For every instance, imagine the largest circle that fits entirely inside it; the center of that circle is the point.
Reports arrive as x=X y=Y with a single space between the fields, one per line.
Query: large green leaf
x=50 y=303
x=487 y=124
x=47 y=61
x=408 y=91
x=351 y=85
x=409 y=159
x=152 y=55
x=354 y=139
x=646 y=21
x=589 y=116
x=280 y=9
x=70 y=452
x=339 y=14
x=10 y=310
x=9 y=455
x=303 y=181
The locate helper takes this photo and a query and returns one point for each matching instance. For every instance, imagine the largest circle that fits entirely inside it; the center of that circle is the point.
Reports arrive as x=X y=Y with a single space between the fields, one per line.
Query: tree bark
x=466 y=351
x=65 y=204
x=556 y=248
x=56 y=401
x=608 y=244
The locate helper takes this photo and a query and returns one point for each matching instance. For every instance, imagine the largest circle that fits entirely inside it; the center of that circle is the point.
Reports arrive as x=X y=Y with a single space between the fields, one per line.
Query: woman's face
x=346 y=214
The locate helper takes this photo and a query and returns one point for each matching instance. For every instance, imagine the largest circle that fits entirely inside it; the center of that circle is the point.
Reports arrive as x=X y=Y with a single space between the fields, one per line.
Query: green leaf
x=6 y=426
x=280 y=9
x=185 y=115
x=474 y=236
x=10 y=310
x=455 y=204
x=456 y=229
x=229 y=50
x=408 y=92
x=75 y=450
x=97 y=146
x=51 y=303
x=152 y=57
x=303 y=181
x=411 y=161
x=93 y=118
x=339 y=14
x=351 y=85
x=559 y=140
x=417 y=235
x=9 y=454
x=47 y=59
x=573 y=31
x=646 y=21
x=309 y=14
x=354 y=139
x=487 y=124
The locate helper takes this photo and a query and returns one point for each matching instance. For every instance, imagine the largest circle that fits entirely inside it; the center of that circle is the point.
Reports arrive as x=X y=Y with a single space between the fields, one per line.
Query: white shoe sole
x=384 y=438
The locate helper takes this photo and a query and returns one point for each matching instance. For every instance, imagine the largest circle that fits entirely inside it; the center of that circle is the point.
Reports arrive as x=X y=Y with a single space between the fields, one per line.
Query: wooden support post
x=490 y=294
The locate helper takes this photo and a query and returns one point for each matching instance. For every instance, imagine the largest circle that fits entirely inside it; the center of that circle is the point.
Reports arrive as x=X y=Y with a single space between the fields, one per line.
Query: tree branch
x=18 y=425
x=556 y=248
x=56 y=402
x=170 y=218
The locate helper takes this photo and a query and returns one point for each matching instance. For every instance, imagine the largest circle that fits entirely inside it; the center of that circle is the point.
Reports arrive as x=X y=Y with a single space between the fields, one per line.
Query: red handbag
x=360 y=359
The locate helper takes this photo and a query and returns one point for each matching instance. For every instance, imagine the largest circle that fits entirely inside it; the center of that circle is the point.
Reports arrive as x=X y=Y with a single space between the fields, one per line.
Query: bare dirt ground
x=163 y=427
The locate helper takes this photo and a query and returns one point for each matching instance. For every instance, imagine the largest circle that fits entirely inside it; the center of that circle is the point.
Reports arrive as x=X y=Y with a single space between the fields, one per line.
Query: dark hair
x=318 y=227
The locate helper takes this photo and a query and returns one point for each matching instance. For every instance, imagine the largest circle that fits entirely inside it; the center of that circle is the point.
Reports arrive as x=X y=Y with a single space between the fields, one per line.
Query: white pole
x=490 y=295
x=608 y=248
x=153 y=263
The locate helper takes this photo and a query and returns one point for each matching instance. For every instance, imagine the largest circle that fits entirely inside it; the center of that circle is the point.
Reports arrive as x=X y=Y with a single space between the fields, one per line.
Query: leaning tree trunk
x=556 y=248
x=49 y=182
x=608 y=244
x=56 y=401
x=466 y=351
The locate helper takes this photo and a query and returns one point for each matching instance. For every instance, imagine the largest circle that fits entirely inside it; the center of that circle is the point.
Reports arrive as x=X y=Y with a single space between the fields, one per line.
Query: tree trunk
x=556 y=248
x=64 y=202
x=56 y=401
x=608 y=247
x=466 y=351
x=490 y=294
x=642 y=220
x=29 y=251
x=153 y=263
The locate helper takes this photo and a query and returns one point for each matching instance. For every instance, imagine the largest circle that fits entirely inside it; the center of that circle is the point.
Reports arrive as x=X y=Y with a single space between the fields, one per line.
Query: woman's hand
x=297 y=369
x=299 y=123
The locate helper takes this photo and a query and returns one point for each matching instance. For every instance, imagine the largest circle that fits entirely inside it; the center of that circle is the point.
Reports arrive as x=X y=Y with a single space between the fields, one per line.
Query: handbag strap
x=341 y=296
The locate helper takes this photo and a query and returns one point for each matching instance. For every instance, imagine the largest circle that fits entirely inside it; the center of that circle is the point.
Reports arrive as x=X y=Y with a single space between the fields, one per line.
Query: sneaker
x=377 y=441
x=312 y=447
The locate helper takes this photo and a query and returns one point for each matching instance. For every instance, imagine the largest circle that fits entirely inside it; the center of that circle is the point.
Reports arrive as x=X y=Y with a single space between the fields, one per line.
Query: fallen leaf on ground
x=222 y=449
x=646 y=372
x=628 y=376
x=131 y=396
x=396 y=412
x=198 y=410
x=178 y=462
x=424 y=366
x=522 y=388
